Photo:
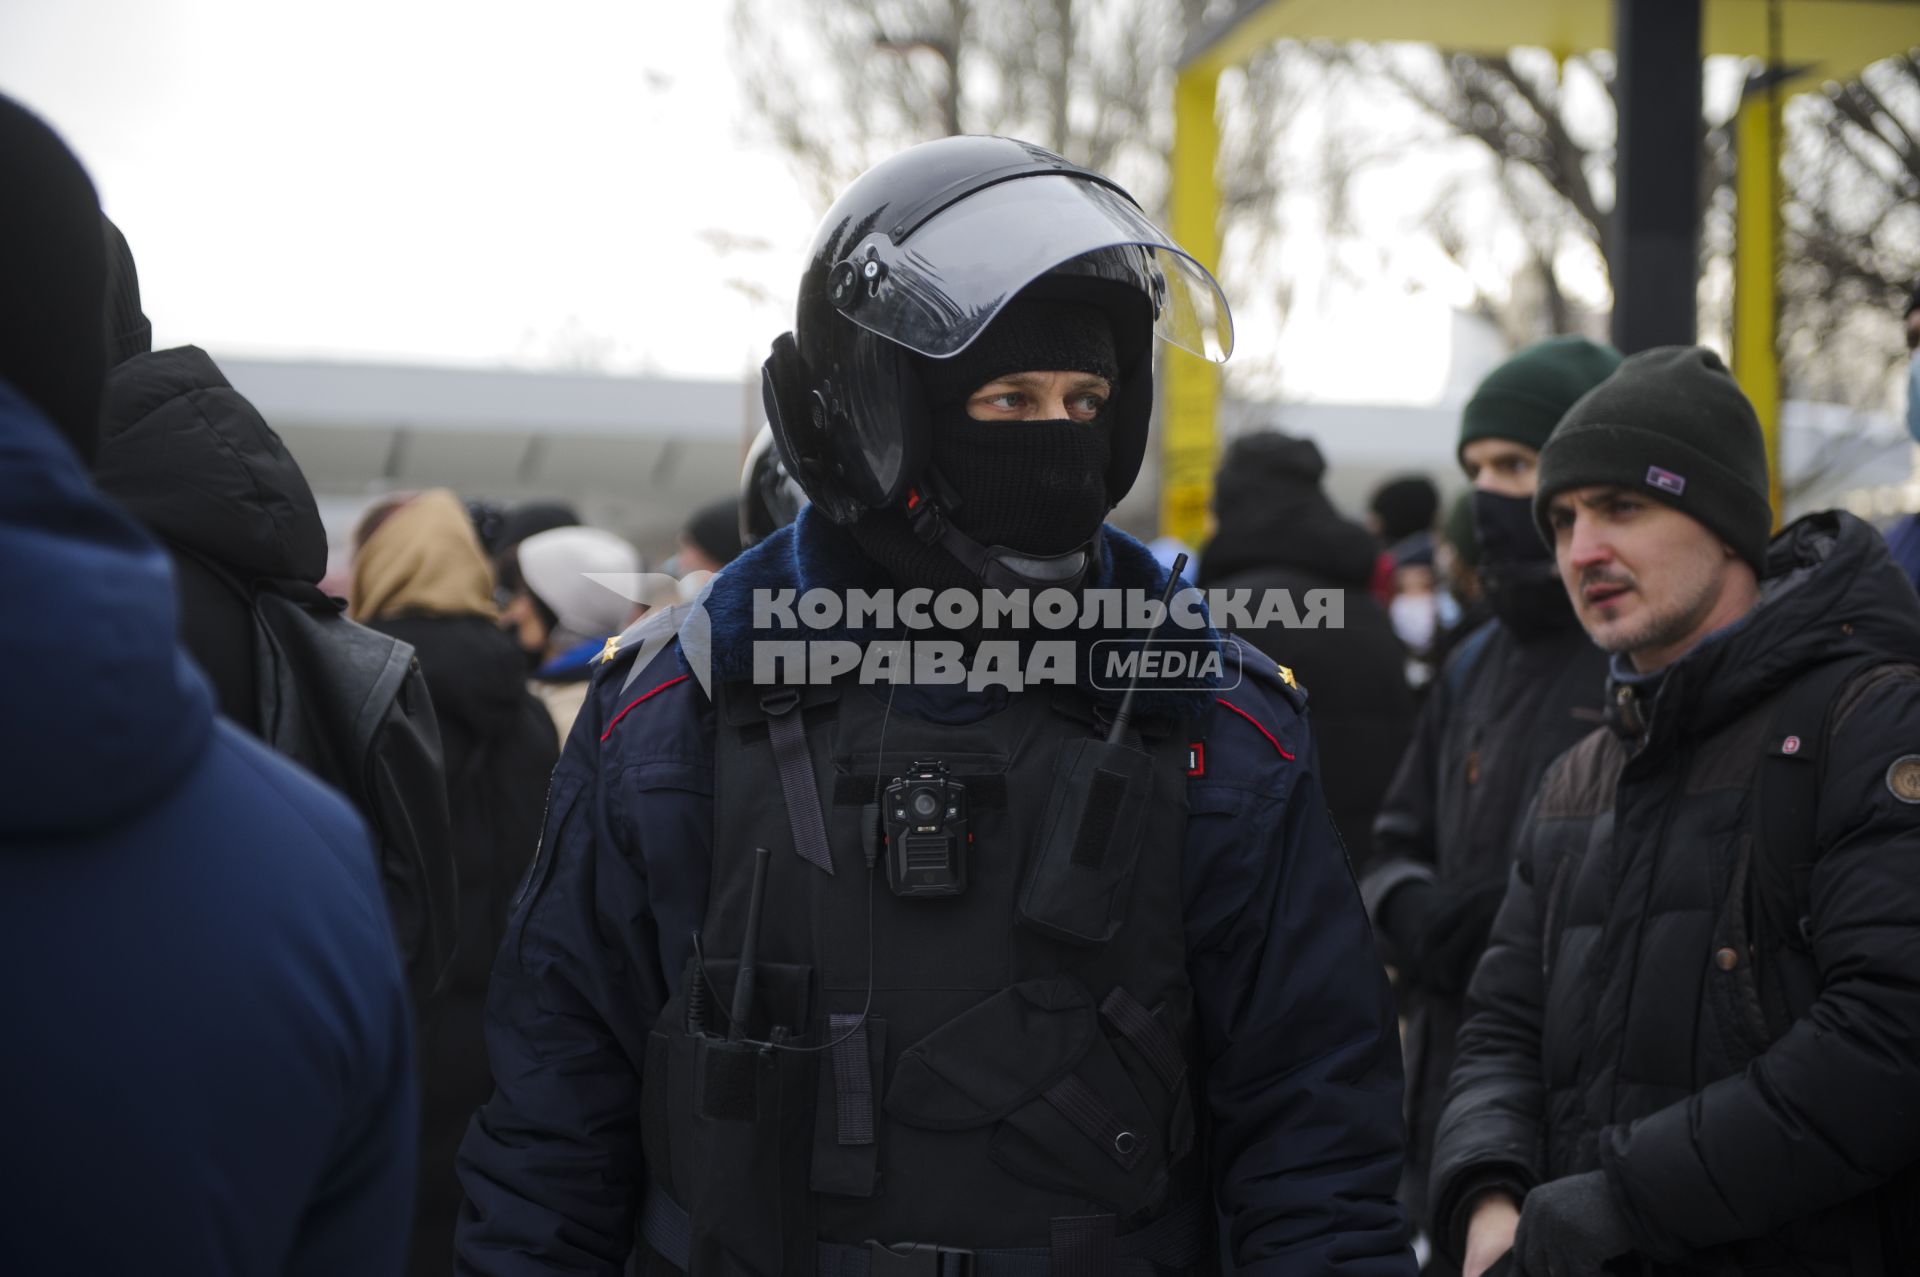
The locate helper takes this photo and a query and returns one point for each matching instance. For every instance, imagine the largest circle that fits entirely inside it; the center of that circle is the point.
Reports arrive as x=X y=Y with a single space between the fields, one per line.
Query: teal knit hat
x=1524 y=398
x=1672 y=425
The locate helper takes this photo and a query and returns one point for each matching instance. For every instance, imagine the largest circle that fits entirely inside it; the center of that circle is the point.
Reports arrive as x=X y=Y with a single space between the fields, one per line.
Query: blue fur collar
x=814 y=553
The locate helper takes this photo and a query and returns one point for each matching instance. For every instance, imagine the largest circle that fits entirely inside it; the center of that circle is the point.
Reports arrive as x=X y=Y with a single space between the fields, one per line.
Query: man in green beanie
x=1695 y=1027
x=1511 y=695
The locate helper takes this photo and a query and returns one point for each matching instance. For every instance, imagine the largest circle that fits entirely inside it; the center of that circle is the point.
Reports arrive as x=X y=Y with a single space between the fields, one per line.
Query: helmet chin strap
x=997 y=566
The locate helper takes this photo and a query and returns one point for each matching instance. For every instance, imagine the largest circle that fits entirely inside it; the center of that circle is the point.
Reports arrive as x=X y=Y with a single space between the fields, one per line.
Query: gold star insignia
x=1286 y=676
x=606 y=653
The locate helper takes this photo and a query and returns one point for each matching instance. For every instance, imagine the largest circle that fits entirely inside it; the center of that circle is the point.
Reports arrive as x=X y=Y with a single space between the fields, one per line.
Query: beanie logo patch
x=1665 y=480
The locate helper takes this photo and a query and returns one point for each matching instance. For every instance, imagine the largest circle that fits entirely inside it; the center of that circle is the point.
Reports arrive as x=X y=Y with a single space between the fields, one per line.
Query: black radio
x=925 y=815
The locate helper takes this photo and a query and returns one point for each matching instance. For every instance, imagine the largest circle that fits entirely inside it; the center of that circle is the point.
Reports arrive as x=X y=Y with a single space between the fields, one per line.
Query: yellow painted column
x=1756 y=314
x=1188 y=434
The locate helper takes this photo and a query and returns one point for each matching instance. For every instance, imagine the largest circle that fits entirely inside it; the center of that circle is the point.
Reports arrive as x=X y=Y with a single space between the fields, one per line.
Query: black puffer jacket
x=1617 y=1014
x=188 y=456
x=1499 y=713
x=500 y=749
x=1277 y=531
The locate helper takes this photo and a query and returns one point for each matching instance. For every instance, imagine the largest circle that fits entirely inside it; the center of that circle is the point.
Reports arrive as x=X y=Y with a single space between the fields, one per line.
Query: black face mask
x=1036 y=487
x=1517 y=571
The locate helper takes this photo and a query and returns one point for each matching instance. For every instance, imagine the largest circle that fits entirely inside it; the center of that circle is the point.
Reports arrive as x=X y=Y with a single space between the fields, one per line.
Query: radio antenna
x=1124 y=714
x=749 y=949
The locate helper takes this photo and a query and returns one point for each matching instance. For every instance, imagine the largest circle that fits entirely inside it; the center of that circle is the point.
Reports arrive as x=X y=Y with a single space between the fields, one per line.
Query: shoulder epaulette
x=1257 y=667
x=627 y=652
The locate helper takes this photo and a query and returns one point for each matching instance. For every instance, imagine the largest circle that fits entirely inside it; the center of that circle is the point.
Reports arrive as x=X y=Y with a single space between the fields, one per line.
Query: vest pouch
x=1089 y=841
x=729 y=1130
x=1033 y=1063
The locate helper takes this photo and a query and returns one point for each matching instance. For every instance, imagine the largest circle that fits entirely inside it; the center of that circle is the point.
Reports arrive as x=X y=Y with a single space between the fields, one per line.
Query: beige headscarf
x=422 y=557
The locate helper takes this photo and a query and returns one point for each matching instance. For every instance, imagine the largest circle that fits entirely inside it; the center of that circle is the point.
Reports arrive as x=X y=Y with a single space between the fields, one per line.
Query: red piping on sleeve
x=1221 y=700
x=663 y=687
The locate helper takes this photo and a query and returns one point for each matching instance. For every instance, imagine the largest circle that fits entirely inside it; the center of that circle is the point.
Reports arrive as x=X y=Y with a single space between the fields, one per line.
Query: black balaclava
x=1035 y=487
x=1517 y=571
x=53 y=346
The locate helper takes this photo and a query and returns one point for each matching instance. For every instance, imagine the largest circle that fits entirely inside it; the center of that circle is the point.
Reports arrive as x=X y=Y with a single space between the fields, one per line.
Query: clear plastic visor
x=935 y=292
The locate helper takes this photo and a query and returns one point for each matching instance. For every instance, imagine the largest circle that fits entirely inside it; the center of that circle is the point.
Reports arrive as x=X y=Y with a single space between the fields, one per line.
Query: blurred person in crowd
x=419 y=575
x=1420 y=609
x=1274 y=529
x=1693 y=1037
x=1402 y=508
x=999 y=1096
x=192 y=459
x=1903 y=538
x=1456 y=560
x=527 y=519
x=207 y=1069
x=711 y=538
x=561 y=616
x=488 y=517
x=1512 y=695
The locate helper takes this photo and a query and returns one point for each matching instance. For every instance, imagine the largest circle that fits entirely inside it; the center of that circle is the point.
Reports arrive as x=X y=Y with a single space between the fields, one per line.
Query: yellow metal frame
x=1756 y=260
x=1825 y=39
x=1188 y=434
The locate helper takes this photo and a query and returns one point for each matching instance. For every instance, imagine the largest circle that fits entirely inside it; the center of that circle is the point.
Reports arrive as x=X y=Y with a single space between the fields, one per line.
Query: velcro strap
x=1148 y=1036
x=1083 y=1246
x=666 y=1227
x=1105 y=796
x=1079 y=1105
x=789 y=737
x=852 y=1078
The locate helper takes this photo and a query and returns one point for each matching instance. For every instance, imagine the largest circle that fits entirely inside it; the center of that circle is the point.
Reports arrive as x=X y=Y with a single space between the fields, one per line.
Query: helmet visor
x=937 y=289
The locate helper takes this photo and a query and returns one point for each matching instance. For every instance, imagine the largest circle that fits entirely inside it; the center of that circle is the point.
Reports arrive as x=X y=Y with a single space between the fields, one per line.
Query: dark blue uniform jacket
x=1302 y=1054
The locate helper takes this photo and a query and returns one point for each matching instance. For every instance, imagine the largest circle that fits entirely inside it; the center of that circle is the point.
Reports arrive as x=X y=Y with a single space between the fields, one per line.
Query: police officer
x=840 y=977
x=769 y=498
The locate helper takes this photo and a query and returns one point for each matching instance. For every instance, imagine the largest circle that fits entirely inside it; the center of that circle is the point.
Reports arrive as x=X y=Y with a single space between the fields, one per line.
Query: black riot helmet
x=917 y=257
x=769 y=498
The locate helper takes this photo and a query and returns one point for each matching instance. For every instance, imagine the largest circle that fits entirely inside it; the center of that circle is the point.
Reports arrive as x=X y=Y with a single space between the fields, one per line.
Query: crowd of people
x=1554 y=910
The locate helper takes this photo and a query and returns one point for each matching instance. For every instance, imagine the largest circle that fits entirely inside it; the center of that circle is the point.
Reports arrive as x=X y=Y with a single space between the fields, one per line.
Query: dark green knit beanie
x=1458 y=531
x=1524 y=398
x=1671 y=424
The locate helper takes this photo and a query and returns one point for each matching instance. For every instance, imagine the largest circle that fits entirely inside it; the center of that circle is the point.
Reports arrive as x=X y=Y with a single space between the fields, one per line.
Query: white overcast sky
x=421 y=180
x=484 y=182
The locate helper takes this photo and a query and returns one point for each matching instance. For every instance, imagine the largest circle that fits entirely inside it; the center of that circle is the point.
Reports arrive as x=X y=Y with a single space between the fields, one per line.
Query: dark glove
x=1456 y=935
x=1570 y=1228
x=1406 y=916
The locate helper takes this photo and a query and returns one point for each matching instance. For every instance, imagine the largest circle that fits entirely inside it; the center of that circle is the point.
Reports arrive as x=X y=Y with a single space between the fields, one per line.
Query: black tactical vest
x=1003 y=1068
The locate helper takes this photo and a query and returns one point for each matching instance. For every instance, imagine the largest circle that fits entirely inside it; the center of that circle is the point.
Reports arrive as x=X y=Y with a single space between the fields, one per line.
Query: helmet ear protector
x=815 y=416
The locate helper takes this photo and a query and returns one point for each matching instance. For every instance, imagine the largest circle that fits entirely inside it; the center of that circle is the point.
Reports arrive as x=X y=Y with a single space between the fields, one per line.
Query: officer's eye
x=1008 y=401
x=1086 y=405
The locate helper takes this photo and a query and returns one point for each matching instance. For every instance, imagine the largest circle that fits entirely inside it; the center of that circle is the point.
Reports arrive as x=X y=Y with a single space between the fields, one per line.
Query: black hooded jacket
x=1278 y=531
x=1616 y=1021
x=189 y=457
